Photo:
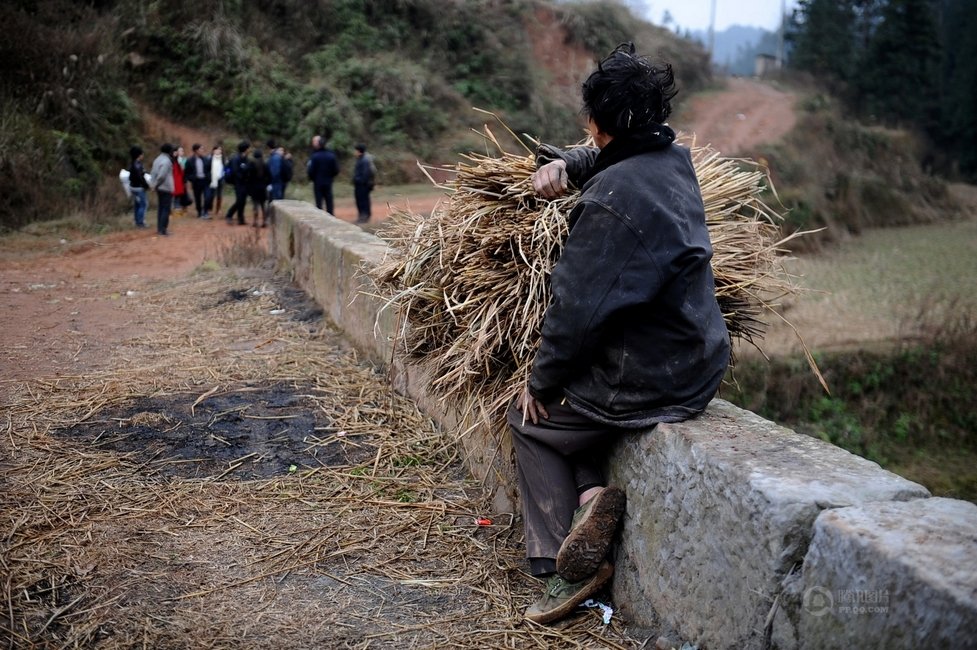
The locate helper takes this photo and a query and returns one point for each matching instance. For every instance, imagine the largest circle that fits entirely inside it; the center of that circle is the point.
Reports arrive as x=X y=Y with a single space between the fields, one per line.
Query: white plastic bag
x=124 y=179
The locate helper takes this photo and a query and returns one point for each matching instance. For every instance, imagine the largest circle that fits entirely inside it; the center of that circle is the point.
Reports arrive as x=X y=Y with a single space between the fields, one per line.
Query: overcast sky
x=694 y=14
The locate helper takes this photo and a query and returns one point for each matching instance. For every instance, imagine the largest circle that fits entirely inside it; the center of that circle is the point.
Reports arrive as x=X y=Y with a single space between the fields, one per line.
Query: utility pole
x=780 y=39
x=712 y=30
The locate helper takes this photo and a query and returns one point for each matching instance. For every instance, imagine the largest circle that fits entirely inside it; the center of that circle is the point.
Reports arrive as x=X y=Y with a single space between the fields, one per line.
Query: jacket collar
x=654 y=138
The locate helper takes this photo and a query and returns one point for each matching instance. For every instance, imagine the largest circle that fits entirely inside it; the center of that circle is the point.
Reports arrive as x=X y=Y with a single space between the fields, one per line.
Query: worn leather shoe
x=591 y=533
x=562 y=597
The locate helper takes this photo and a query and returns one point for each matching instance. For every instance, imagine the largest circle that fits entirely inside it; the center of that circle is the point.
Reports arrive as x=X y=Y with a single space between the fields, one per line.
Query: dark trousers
x=240 y=202
x=556 y=460
x=259 y=198
x=165 y=204
x=199 y=192
x=323 y=192
x=362 y=194
x=277 y=190
x=214 y=197
x=140 y=203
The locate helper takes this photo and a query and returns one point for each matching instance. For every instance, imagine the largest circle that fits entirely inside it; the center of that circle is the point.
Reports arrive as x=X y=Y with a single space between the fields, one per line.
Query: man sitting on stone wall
x=633 y=335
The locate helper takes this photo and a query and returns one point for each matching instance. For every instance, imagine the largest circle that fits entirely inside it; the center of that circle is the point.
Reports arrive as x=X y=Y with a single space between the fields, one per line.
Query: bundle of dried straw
x=470 y=281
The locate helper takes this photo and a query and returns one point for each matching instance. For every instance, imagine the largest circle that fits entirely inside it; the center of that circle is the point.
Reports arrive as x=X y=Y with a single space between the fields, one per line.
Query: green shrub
x=26 y=168
x=183 y=75
x=897 y=406
x=270 y=106
x=598 y=26
x=66 y=114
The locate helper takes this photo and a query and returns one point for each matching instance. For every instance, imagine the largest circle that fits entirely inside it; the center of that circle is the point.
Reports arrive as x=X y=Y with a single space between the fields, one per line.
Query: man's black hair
x=135 y=151
x=166 y=148
x=627 y=94
x=359 y=146
x=243 y=146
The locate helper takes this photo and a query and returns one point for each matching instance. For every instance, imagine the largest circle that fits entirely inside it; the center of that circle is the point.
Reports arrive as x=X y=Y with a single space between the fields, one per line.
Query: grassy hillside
x=840 y=176
x=79 y=79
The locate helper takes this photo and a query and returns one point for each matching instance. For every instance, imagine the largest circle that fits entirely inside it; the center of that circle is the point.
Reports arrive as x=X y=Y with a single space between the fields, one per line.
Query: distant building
x=764 y=64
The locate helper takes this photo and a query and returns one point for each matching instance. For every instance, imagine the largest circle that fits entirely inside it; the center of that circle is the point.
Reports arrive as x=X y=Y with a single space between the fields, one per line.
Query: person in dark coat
x=633 y=335
x=364 y=179
x=323 y=168
x=138 y=186
x=257 y=183
x=238 y=173
x=196 y=171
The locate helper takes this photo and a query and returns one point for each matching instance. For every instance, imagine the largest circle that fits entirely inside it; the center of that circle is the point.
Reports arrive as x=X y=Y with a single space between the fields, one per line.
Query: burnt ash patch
x=251 y=432
x=293 y=301
x=298 y=305
x=233 y=295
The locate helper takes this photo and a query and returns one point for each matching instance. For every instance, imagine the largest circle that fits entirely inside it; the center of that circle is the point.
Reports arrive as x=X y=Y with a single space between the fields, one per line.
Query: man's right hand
x=550 y=180
x=531 y=408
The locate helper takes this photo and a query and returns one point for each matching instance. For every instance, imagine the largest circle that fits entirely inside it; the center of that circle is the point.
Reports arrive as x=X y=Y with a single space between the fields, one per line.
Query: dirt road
x=64 y=300
x=735 y=120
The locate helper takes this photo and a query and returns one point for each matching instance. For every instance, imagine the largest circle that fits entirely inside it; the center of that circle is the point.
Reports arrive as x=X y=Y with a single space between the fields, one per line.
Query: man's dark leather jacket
x=634 y=335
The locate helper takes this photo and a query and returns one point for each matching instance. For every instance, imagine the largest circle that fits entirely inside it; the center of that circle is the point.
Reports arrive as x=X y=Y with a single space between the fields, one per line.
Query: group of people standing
x=199 y=180
x=258 y=179
x=175 y=178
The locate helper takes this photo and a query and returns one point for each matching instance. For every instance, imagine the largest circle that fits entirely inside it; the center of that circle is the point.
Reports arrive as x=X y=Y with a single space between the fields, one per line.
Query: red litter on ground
x=482 y=521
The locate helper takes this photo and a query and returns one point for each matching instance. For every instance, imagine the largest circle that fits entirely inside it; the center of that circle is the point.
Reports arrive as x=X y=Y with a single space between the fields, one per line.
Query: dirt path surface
x=735 y=120
x=64 y=301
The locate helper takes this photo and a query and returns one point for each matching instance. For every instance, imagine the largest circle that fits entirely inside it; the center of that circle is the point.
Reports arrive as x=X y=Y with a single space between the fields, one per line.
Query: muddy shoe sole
x=591 y=535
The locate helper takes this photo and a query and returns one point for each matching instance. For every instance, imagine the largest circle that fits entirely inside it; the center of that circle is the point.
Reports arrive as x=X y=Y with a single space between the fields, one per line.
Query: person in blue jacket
x=322 y=170
x=633 y=335
x=279 y=168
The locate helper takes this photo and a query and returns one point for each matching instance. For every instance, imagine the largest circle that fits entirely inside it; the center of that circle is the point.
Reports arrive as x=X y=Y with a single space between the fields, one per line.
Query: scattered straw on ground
x=101 y=549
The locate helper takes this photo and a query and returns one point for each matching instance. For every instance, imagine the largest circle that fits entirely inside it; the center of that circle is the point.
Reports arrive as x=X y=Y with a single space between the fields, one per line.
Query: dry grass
x=101 y=549
x=470 y=281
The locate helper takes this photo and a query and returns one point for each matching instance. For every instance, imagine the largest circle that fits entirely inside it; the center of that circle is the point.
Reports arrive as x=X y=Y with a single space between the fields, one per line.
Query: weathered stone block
x=326 y=257
x=720 y=509
x=887 y=575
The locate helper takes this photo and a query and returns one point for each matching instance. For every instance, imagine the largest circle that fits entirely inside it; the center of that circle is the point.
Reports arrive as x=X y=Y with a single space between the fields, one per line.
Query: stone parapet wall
x=739 y=533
